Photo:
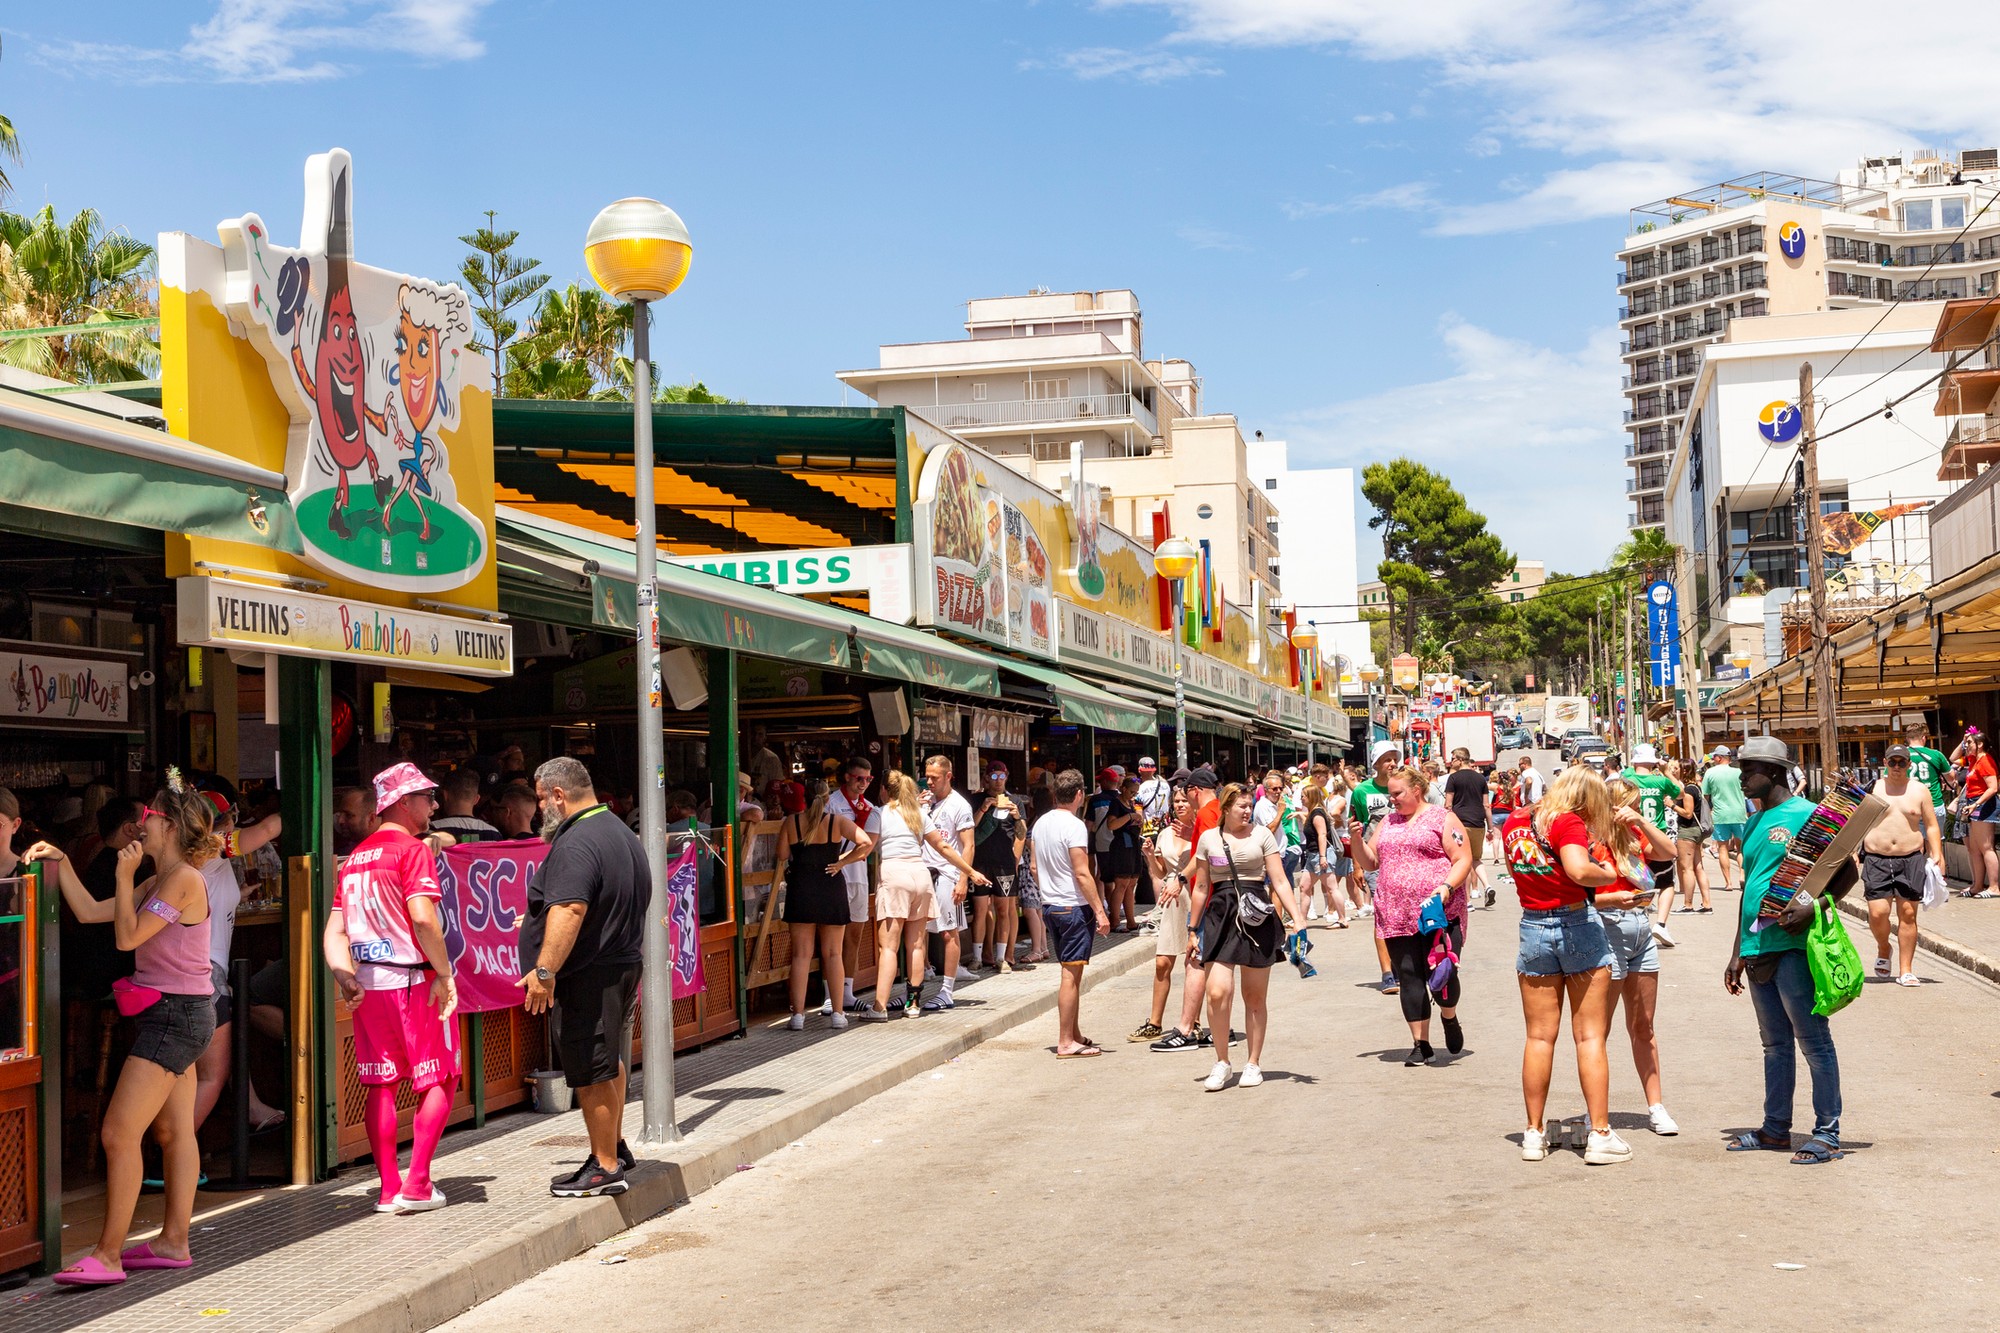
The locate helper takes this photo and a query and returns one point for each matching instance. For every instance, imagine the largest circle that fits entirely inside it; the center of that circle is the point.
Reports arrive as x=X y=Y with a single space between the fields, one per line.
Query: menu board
x=981 y=539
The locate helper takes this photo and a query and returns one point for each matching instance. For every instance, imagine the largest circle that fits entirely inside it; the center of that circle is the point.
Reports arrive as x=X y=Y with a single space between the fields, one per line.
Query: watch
x=543 y=975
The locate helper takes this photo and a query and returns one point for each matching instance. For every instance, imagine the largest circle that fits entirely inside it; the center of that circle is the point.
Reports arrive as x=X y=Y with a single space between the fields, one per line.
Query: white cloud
x=1417 y=196
x=1528 y=434
x=1112 y=62
x=286 y=41
x=1645 y=98
x=1296 y=274
x=1210 y=238
x=1375 y=118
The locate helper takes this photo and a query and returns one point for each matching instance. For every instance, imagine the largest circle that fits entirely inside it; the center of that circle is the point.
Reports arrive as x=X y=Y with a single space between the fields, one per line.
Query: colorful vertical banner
x=1663 y=639
x=684 y=920
x=485 y=899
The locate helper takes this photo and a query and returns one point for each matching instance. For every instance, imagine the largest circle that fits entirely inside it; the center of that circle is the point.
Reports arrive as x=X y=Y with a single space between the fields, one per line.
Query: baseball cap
x=392 y=784
x=1110 y=773
x=219 y=801
x=1203 y=777
x=1380 y=748
x=1719 y=750
x=1896 y=752
x=1148 y=762
x=996 y=768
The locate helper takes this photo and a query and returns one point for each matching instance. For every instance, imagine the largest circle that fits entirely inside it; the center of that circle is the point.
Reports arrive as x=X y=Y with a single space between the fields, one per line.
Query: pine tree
x=499 y=281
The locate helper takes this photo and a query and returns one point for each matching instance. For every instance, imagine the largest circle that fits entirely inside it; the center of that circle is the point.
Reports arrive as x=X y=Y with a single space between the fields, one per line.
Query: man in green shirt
x=1926 y=765
x=1772 y=961
x=1369 y=802
x=1723 y=786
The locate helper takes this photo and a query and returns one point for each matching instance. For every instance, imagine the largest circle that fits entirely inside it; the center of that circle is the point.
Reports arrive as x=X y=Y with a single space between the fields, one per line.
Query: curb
x=1932 y=943
x=459 y=1281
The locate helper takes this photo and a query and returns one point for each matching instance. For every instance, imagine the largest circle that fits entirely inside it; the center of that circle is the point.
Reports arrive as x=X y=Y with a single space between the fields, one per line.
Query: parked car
x=1572 y=739
x=1516 y=738
x=1590 y=748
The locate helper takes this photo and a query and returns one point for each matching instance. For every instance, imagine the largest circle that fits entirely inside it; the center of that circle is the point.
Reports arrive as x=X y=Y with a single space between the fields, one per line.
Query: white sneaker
x=405 y=1204
x=1663 y=935
x=1252 y=1076
x=1218 y=1077
x=1605 y=1148
x=827 y=1006
x=1314 y=915
x=797 y=1022
x=1663 y=1124
x=836 y=1021
x=1534 y=1145
x=965 y=975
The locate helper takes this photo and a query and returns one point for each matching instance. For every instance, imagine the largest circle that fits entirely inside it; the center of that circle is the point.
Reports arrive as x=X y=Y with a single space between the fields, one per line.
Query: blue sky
x=1374 y=228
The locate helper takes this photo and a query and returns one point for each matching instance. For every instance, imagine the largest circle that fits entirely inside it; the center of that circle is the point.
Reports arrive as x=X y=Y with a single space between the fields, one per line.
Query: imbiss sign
x=223 y=613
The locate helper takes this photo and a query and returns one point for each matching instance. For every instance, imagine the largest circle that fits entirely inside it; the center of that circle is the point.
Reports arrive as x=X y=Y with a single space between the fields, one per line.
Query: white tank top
x=898 y=841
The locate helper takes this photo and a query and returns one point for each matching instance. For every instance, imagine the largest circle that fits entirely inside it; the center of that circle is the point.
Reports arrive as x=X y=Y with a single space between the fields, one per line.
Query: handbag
x=1253 y=909
x=1444 y=962
x=1835 y=962
x=133 y=999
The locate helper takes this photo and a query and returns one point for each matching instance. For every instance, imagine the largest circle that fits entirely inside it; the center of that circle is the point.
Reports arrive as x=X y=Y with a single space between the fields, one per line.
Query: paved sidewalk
x=321 y=1258
x=1964 y=931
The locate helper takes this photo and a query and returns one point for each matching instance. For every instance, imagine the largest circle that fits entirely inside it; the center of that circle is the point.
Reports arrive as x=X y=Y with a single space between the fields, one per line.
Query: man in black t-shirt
x=1466 y=792
x=584 y=929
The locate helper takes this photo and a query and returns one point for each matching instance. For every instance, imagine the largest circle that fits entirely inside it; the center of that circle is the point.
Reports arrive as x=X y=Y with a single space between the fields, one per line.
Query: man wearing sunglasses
x=1895 y=857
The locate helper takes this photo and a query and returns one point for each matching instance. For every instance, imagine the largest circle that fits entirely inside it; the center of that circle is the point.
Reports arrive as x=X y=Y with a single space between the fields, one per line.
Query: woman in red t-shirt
x=1564 y=951
x=1980 y=805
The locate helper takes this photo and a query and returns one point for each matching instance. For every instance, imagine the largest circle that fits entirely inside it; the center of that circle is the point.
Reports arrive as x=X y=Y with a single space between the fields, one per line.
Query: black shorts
x=594 y=1007
x=998 y=885
x=1893 y=876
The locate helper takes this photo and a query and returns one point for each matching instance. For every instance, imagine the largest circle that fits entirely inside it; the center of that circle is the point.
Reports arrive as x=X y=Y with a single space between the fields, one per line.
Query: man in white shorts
x=950 y=814
x=852 y=800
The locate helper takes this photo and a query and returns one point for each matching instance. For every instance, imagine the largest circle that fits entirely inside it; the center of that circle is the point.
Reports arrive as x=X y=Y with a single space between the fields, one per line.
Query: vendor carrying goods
x=1830 y=835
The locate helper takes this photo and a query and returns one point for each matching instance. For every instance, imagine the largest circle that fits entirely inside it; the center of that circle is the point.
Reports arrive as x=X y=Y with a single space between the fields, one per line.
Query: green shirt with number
x=1657 y=792
x=1929 y=767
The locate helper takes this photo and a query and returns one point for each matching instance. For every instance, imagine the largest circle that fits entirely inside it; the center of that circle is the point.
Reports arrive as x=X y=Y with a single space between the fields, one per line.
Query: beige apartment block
x=1037 y=375
x=1921 y=227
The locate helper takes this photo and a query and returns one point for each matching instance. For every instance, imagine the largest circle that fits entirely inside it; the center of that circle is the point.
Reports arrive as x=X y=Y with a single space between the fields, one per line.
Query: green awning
x=63 y=459
x=717 y=612
x=1086 y=704
x=1204 y=725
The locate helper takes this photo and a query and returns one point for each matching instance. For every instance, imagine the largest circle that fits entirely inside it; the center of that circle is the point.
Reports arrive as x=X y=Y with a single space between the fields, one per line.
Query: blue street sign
x=1663 y=637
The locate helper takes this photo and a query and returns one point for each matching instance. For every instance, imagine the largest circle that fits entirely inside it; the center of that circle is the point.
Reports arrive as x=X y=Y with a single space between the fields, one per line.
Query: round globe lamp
x=638 y=250
x=1175 y=558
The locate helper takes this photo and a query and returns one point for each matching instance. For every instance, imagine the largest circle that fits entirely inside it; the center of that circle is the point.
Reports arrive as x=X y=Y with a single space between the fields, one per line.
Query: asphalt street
x=1010 y=1190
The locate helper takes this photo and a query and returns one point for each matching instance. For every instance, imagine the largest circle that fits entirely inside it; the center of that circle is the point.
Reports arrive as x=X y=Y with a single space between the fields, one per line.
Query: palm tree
x=1647 y=553
x=577 y=323
x=620 y=388
x=56 y=274
x=546 y=377
x=10 y=150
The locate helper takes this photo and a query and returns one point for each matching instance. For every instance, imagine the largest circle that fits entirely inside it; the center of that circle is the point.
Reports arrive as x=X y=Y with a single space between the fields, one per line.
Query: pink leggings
x=433 y=1109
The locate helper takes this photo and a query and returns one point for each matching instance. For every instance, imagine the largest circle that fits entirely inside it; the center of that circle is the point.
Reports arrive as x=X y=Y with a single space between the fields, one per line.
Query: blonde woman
x=164 y=923
x=1635 y=955
x=905 y=900
x=1564 y=953
x=1236 y=868
x=811 y=865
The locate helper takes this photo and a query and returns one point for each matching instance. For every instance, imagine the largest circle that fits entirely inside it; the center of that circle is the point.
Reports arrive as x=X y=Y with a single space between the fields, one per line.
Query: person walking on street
x=1171 y=851
x=1635 y=846
x=163 y=922
x=1418 y=851
x=949 y=856
x=1239 y=927
x=584 y=931
x=1528 y=783
x=1369 y=803
x=1272 y=809
x=1979 y=808
x=815 y=847
x=1927 y=766
x=1656 y=795
x=999 y=833
x=1321 y=855
x=1072 y=907
x=1470 y=798
x=1894 y=857
x=1564 y=952
x=1722 y=786
x=1771 y=962
x=384 y=943
x=1689 y=871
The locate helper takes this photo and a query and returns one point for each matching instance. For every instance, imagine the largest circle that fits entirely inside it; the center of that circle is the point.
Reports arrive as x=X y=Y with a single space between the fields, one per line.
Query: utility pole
x=1596 y=637
x=1822 y=646
x=1633 y=731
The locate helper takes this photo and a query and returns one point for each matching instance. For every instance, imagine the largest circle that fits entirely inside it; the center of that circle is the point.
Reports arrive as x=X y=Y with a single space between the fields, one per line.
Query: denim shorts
x=1072 y=932
x=1343 y=866
x=1312 y=862
x=1562 y=944
x=174 y=1030
x=1629 y=931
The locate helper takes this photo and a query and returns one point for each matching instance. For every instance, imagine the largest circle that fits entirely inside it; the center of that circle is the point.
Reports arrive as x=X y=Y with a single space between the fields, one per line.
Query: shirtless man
x=1892 y=862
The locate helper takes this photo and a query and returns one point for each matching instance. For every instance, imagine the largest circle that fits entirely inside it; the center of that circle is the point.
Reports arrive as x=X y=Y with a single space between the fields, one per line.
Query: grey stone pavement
x=320 y=1257
x=1012 y=1191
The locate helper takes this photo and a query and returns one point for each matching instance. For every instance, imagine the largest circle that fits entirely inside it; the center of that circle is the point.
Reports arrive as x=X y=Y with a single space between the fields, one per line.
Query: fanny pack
x=133 y=999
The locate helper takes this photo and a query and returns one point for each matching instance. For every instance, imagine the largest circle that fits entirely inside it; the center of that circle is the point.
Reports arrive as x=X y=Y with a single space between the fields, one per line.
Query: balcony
x=1637 y=272
x=1645 y=520
x=1973 y=444
x=1645 y=412
x=1645 y=450
x=1646 y=483
x=1036 y=411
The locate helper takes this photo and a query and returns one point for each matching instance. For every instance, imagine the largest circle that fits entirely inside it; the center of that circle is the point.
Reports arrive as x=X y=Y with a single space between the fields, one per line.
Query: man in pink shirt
x=385 y=944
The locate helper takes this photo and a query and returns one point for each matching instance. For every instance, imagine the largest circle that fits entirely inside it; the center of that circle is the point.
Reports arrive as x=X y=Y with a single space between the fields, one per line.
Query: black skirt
x=814 y=895
x=1225 y=941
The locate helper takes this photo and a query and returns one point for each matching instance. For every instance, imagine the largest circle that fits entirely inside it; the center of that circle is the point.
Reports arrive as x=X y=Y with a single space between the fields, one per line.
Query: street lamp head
x=1370 y=674
x=1175 y=558
x=1306 y=637
x=638 y=250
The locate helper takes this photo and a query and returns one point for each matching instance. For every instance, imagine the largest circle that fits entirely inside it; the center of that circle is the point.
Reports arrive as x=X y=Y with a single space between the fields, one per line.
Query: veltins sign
x=43 y=689
x=227 y=614
x=371 y=366
x=882 y=572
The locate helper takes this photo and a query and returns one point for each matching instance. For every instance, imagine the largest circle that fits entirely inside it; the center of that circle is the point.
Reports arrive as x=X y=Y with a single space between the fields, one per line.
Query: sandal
x=1816 y=1152
x=142 y=1256
x=1082 y=1052
x=88 y=1271
x=1756 y=1142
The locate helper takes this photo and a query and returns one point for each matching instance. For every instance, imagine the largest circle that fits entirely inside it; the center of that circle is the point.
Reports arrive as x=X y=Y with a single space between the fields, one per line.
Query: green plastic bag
x=1835 y=962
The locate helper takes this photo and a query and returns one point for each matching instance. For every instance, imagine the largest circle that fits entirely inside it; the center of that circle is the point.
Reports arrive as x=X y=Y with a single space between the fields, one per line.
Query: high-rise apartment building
x=1043 y=372
x=1313 y=525
x=1922 y=228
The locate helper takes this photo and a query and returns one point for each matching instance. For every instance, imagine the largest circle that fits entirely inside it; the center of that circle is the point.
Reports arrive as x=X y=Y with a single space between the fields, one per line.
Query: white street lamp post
x=1173 y=560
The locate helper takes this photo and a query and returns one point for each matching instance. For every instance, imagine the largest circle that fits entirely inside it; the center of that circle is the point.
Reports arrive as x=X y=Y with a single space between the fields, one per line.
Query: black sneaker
x=626 y=1161
x=1420 y=1054
x=1175 y=1040
x=592 y=1181
x=1454 y=1036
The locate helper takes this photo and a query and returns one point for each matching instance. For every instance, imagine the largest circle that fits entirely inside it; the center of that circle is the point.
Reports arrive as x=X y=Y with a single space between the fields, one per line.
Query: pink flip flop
x=88 y=1271
x=142 y=1256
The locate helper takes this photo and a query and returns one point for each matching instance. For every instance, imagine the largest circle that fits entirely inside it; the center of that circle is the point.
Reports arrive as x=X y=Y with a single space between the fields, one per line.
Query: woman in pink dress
x=1418 y=850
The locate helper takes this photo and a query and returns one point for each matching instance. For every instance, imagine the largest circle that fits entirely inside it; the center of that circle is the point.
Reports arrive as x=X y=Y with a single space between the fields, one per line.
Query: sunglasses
x=1899 y=763
x=148 y=812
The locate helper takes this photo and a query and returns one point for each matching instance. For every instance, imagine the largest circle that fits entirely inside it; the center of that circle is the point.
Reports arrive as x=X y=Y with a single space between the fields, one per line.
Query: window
x=1514 y=597
x=1270 y=483
x=1762 y=525
x=1951 y=212
x=1041 y=389
x=979 y=393
x=1917 y=215
x=1517 y=576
